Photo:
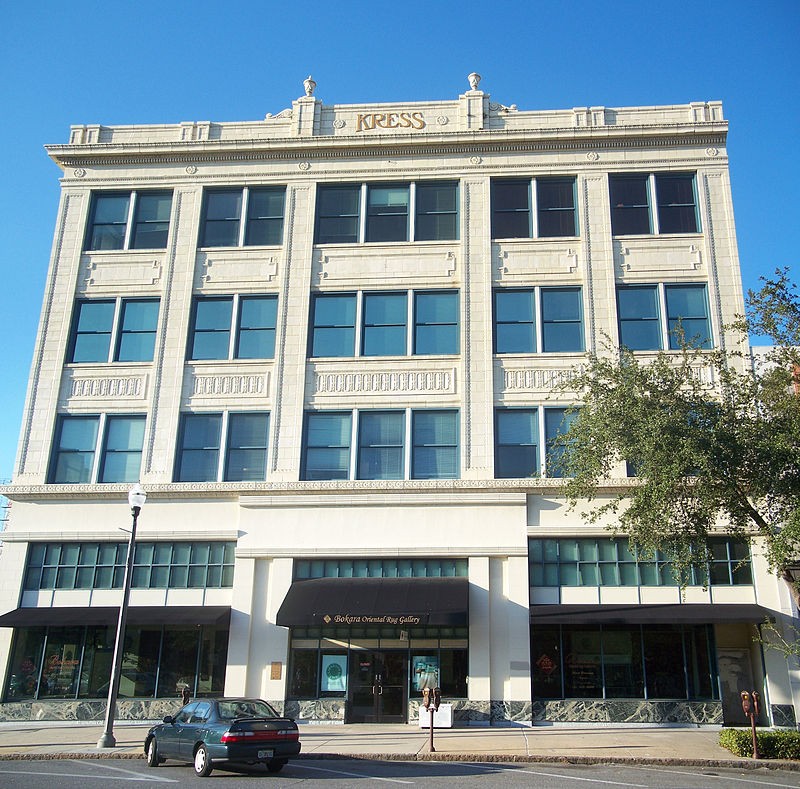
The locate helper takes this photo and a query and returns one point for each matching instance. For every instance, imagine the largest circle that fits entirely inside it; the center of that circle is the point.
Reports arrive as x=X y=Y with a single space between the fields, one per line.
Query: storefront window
x=453 y=673
x=624 y=661
x=546 y=664
x=213 y=659
x=96 y=667
x=179 y=666
x=26 y=660
x=62 y=659
x=303 y=673
x=333 y=675
x=582 y=673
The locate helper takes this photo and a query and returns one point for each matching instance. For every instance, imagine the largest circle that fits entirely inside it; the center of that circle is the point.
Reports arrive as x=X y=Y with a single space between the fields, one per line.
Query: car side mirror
x=169 y=719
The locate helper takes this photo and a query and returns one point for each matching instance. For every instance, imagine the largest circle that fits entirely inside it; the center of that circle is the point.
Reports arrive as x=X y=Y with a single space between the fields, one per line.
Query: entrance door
x=378 y=687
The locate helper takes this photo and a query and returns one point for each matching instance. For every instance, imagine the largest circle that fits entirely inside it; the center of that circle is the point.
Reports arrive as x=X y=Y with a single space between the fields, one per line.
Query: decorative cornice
x=573 y=139
x=232 y=491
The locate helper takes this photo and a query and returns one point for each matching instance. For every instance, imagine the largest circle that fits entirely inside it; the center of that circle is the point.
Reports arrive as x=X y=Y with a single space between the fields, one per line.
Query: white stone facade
x=283 y=519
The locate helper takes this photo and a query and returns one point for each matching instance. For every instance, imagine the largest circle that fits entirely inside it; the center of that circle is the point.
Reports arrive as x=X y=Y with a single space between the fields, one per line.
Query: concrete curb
x=734 y=763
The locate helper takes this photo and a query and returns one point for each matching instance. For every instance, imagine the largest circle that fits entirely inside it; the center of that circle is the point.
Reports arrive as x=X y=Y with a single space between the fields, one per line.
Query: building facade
x=328 y=345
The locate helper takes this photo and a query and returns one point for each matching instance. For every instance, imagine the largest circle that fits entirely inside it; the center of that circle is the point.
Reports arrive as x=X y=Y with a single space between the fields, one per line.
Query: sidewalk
x=56 y=740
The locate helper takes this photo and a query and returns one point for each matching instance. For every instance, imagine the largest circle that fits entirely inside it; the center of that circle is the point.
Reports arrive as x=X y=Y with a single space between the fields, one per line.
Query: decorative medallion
x=191 y=169
x=712 y=151
x=339 y=124
x=475 y=159
x=304 y=166
x=592 y=156
x=79 y=172
x=442 y=120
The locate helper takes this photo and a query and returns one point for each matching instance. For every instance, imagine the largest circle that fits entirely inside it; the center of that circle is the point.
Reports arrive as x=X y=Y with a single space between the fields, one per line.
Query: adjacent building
x=328 y=345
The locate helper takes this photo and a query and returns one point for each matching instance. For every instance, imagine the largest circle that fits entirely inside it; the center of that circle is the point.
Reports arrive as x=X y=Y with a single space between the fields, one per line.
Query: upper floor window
x=652 y=317
x=538 y=320
x=97 y=448
x=380 y=213
x=233 y=327
x=114 y=330
x=224 y=446
x=538 y=208
x=156 y=565
x=398 y=444
x=247 y=217
x=602 y=561
x=519 y=432
x=643 y=204
x=380 y=568
x=129 y=220
x=383 y=320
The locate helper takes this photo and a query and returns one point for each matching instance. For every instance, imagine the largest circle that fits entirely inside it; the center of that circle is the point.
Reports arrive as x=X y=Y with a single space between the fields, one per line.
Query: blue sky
x=164 y=62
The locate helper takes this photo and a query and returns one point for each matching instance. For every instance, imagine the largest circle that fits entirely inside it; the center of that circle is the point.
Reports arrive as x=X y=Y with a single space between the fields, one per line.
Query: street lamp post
x=136 y=499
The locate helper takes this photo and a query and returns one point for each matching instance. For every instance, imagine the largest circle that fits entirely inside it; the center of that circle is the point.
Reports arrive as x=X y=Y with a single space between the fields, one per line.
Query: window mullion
x=236 y=307
x=223 y=445
x=243 y=216
x=652 y=204
x=134 y=199
x=99 y=448
x=407 y=442
x=116 y=329
x=354 y=428
x=662 y=315
x=410 y=322
x=362 y=215
x=359 y=328
x=533 y=201
x=412 y=212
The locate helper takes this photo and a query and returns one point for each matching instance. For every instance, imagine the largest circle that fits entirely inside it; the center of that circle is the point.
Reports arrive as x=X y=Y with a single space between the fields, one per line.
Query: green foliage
x=714 y=443
x=771 y=744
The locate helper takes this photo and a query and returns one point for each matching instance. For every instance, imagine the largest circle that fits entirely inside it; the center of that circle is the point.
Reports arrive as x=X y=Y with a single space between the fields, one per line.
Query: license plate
x=266 y=754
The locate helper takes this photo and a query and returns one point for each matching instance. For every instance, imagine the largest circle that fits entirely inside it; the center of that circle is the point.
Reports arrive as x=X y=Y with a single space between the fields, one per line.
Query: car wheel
x=152 y=753
x=202 y=762
x=276 y=765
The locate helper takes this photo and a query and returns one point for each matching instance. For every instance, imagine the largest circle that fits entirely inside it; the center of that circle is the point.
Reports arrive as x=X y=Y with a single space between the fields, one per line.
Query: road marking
x=707 y=775
x=552 y=775
x=140 y=776
x=133 y=777
x=351 y=775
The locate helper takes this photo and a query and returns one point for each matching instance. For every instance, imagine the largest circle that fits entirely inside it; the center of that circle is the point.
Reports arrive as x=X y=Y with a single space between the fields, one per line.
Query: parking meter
x=426 y=697
x=437 y=698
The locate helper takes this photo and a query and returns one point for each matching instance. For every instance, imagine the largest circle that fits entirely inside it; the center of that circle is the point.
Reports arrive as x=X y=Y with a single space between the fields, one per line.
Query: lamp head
x=136 y=497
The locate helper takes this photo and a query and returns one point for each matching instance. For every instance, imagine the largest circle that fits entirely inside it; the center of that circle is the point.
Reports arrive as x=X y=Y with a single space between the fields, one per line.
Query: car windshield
x=245 y=708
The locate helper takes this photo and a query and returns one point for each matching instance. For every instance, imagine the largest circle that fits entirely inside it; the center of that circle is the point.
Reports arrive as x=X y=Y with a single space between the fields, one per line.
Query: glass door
x=378 y=687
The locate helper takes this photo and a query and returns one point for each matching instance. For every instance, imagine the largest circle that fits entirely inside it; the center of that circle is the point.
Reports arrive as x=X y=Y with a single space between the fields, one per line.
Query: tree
x=714 y=442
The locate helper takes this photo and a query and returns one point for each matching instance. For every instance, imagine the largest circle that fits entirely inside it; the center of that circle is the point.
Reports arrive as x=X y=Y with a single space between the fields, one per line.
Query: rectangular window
x=383 y=323
x=239 y=441
x=634 y=210
x=400 y=444
x=381 y=568
x=262 y=208
x=538 y=208
x=114 y=330
x=436 y=211
x=603 y=561
x=128 y=220
x=556 y=423
x=687 y=316
x=122 y=449
x=386 y=213
x=77 y=457
x=381 y=445
x=434 y=448
x=685 y=307
x=327 y=446
x=384 y=331
x=247 y=320
x=560 y=318
x=333 y=324
x=436 y=323
x=516 y=443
